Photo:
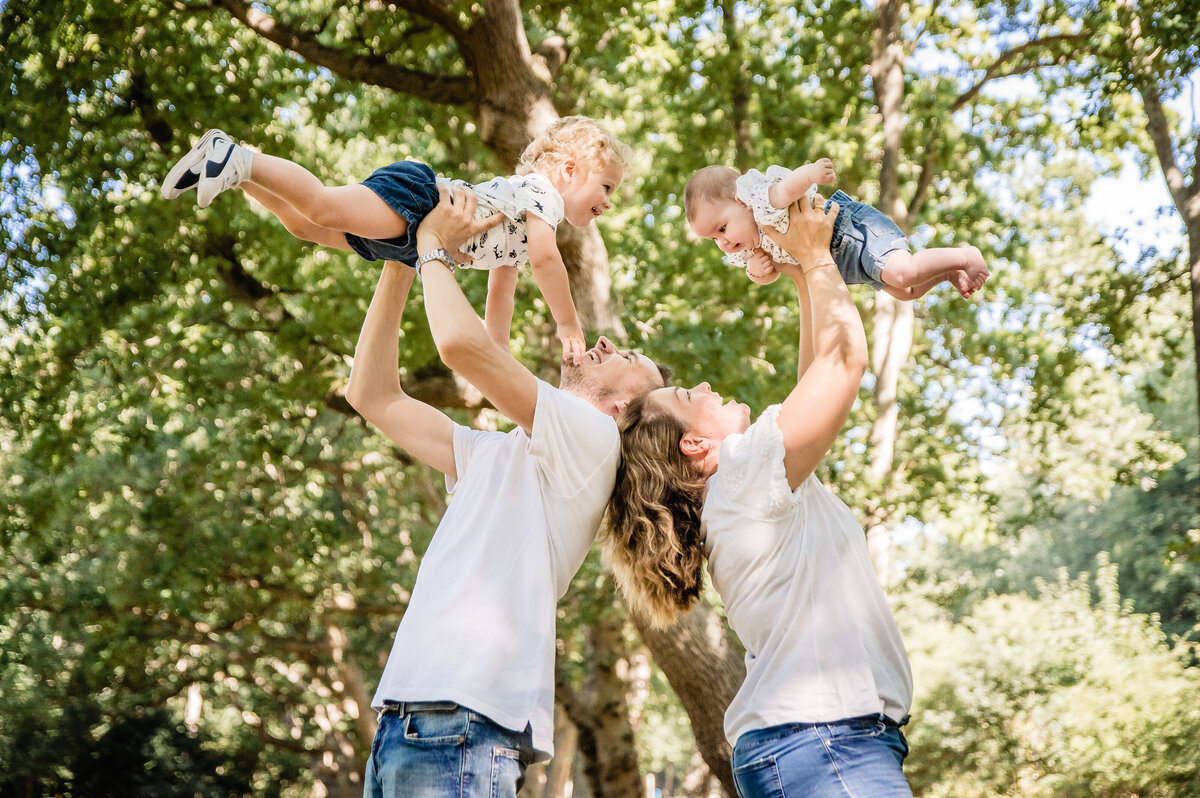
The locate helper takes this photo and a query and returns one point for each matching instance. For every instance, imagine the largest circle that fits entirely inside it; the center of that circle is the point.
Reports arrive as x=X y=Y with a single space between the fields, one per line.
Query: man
x=467 y=695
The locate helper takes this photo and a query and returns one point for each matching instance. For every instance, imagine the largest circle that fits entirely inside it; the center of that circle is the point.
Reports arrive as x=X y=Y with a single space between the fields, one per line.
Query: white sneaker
x=225 y=166
x=185 y=174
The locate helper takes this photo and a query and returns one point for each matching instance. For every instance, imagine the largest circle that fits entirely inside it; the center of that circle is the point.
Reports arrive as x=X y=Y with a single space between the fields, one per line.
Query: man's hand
x=810 y=229
x=573 y=344
x=452 y=222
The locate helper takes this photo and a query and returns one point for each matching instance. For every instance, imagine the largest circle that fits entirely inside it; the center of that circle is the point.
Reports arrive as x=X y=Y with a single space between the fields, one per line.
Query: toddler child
x=867 y=246
x=570 y=171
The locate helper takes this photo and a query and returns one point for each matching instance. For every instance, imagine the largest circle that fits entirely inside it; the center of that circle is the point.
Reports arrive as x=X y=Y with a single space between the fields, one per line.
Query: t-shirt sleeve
x=575 y=444
x=467 y=442
x=751 y=471
x=536 y=195
x=753 y=188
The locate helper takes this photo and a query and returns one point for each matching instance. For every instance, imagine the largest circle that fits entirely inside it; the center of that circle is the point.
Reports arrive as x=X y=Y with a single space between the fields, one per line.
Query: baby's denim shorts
x=863 y=238
x=410 y=189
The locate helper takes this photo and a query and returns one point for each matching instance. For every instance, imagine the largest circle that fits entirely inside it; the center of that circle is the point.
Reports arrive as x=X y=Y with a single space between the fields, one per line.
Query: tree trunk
x=1186 y=198
x=600 y=711
x=697 y=783
x=894 y=319
x=703 y=662
x=739 y=92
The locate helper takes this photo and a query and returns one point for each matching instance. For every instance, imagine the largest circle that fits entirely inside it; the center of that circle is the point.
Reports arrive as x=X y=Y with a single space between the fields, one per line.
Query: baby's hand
x=573 y=345
x=761 y=268
x=820 y=172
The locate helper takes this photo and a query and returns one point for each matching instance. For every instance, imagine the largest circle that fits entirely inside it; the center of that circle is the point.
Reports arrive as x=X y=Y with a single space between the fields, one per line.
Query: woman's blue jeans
x=438 y=749
x=853 y=758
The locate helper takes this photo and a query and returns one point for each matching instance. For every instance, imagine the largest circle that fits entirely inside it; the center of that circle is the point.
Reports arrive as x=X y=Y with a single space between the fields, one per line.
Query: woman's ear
x=694 y=446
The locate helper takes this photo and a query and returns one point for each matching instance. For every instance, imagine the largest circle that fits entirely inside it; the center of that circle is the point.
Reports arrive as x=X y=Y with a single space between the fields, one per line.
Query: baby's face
x=586 y=193
x=729 y=223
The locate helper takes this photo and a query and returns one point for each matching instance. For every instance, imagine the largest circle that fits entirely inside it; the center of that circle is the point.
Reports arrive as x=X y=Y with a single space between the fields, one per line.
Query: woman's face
x=702 y=413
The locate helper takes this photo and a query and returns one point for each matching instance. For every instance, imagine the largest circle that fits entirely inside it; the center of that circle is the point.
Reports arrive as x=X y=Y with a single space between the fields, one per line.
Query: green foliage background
x=185 y=507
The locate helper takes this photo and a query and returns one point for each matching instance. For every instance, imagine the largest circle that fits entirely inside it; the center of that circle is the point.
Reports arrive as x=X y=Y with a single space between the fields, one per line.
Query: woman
x=827 y=677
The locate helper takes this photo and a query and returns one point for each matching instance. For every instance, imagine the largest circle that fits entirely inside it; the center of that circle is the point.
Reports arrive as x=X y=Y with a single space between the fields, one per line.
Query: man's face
x=610 y=377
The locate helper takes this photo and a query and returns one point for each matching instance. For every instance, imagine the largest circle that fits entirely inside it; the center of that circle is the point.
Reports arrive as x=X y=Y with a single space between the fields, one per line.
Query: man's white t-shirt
x=793 y=570
x=479 y=629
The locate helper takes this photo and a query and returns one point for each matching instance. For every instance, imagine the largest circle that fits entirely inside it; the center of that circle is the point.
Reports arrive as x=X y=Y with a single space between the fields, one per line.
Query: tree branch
x=373 y=70
x=437 y=12
x=1160 y=133
x=993 y=71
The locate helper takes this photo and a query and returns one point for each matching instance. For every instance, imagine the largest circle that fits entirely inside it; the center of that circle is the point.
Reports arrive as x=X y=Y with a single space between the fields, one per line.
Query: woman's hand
x=810 y=229
x=453 y=222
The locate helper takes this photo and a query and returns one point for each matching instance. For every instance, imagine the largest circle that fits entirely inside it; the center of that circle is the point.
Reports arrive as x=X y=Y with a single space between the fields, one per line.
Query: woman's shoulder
x=750 y=470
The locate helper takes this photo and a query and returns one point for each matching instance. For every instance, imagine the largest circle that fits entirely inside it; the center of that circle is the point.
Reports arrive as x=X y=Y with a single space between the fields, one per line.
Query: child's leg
x=350 y=209
x=293 y=220
x=925 y=269
x=498 y=313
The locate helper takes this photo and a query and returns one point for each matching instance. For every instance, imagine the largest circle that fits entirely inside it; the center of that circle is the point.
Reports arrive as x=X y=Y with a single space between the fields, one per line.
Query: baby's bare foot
x=975 y=267
x=962 y=283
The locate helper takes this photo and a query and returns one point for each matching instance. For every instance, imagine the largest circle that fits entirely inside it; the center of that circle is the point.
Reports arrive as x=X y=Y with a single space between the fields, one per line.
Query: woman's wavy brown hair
x=652 y=537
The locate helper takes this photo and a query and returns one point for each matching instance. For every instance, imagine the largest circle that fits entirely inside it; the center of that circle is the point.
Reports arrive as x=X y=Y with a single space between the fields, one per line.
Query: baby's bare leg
x=905 y=270
x=498 y=313
x=293 y=220
x=349 y=209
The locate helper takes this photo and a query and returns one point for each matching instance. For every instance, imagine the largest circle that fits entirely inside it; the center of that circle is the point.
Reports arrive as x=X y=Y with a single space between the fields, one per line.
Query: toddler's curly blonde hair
x=574 y=138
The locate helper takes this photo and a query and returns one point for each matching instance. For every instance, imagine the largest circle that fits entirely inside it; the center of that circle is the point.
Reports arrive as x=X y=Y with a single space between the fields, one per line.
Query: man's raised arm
x=374 y=390
x=461 y=339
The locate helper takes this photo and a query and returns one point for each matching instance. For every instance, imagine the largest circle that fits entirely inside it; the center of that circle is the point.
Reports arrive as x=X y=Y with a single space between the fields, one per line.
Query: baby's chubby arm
x=550 y=274
x=761 y=267
x=791 y=188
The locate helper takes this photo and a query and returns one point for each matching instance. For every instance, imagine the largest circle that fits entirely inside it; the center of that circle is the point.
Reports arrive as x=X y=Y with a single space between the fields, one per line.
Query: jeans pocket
x=436 y=728
x=759 y=779
x=508 y=772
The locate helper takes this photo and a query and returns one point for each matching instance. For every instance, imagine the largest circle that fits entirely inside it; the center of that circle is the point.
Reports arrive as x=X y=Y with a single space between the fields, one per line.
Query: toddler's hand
x=573 y=345
x=821 y=172
x=761 y=268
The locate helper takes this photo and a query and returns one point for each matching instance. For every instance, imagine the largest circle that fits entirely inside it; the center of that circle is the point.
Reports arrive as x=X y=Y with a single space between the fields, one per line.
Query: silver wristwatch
x=434 y=254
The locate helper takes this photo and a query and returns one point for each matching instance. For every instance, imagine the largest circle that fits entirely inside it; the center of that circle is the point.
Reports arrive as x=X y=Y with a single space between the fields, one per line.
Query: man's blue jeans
x=438 y=749
x=854 y=758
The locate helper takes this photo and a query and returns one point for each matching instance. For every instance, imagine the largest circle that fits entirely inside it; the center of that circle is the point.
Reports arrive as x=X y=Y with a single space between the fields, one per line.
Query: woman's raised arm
x=815 y=410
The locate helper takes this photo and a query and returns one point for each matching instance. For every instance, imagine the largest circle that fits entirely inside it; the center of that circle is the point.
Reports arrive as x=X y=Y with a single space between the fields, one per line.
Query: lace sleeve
x=752 y=472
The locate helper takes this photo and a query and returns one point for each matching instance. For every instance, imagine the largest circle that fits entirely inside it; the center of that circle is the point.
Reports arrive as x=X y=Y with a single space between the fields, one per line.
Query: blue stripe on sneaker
x=209 y=169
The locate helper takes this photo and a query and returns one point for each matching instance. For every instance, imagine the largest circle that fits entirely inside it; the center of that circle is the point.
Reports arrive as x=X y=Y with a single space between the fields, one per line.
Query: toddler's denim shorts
x=863 y=237
x=410 y=189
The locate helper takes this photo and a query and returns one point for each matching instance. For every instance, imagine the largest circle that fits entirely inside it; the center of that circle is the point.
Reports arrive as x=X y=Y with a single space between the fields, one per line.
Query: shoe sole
x=194 y=159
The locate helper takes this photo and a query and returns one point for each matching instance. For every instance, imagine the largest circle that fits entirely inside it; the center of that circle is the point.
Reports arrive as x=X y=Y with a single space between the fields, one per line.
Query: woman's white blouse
x=799 y=589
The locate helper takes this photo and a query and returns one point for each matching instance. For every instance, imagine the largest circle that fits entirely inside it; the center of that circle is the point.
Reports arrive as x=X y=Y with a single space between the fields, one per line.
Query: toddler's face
x=729 y=223
x=586 y=193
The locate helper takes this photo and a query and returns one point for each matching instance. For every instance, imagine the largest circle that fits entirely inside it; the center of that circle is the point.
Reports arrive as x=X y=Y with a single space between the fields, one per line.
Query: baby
x=570 y=171
x=867 y=246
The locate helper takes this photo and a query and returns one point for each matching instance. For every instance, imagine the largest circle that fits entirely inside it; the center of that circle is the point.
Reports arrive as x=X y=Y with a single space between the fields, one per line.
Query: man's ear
x=619 y=405
x=694 y=446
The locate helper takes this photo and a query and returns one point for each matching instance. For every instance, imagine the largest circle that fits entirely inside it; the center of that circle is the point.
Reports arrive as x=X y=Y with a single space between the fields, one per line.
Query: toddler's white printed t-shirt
x=507 y=244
